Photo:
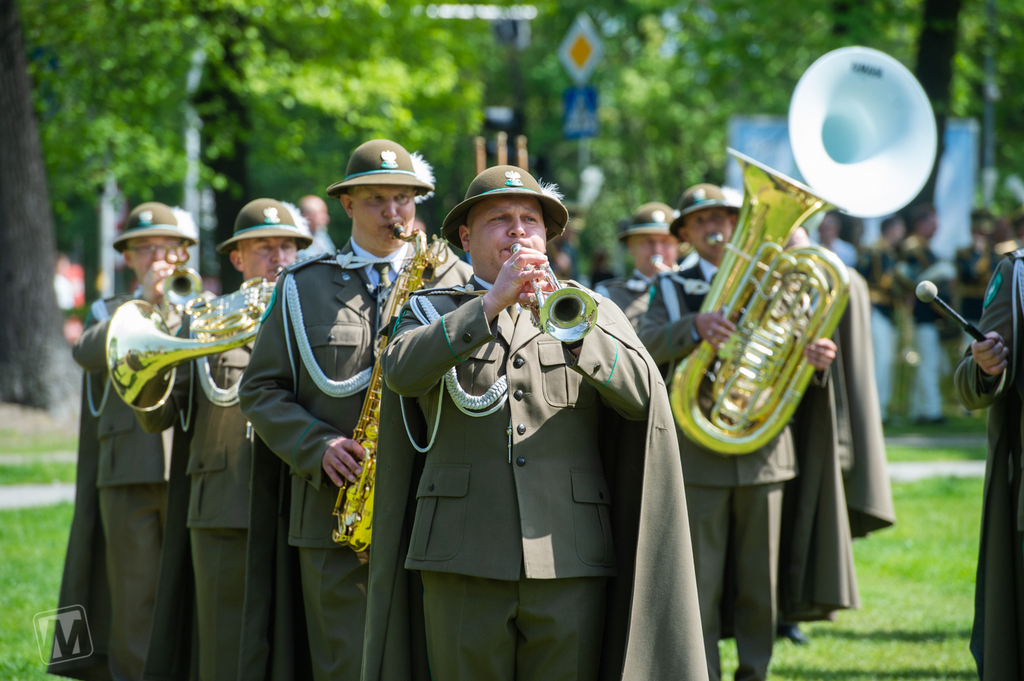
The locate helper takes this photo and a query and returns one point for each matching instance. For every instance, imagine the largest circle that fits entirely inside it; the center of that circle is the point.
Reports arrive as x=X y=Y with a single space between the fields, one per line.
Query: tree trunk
x=936 y=49
x=36 y=368
x=226 y=117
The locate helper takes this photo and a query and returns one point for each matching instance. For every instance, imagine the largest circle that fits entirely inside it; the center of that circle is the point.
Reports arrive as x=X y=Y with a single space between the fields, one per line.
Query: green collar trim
x=379 y=172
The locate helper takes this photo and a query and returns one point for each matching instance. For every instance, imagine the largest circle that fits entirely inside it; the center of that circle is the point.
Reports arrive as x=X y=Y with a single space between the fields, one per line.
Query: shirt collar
x=483 y=284
x=707 y=269
x=637 y=274
x=395 y=258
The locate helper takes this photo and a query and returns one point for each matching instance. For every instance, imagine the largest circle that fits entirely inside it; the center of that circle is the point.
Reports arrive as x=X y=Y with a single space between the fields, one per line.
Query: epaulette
x=323 y=258
x=467 y=289
x=100 y=308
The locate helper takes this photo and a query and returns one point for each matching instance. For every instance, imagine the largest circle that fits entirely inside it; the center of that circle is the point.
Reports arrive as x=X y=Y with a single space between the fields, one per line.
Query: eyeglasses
x=266 y=250
x=177 y=251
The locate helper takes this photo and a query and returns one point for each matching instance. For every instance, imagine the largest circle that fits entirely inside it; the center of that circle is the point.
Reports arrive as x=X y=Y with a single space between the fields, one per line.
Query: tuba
x=863 y=134
x=142 y=354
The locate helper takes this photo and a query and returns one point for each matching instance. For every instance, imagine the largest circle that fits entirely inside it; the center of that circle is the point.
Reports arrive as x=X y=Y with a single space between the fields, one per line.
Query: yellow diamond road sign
x=581 y=49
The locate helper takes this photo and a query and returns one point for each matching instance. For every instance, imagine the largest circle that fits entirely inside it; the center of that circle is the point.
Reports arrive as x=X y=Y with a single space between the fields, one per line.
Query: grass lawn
x=43 y=471
x=901 y=453
x=916 y=586
x=16 y=442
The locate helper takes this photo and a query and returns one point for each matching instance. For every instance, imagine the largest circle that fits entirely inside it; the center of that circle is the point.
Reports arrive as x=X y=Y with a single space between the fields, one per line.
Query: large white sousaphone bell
x=862 y=131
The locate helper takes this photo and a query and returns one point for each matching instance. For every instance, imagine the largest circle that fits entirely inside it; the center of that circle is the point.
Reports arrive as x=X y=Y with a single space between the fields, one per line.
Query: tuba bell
x=863 y=134
x=142 y=354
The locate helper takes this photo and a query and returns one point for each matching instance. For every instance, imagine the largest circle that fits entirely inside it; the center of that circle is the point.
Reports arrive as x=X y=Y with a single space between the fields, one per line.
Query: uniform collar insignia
x=513 y=179
x=389 y=160
x=145 y=218
x=270 y=216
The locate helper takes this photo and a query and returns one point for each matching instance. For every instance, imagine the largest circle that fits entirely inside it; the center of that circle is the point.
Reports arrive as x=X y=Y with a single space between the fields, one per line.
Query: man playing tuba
x=730 y=499
x=303 y=391
x=211 y=493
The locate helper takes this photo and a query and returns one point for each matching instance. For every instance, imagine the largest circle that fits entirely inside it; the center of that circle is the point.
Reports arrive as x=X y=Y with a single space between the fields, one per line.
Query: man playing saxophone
x=303 y=390
x=527 y=499
x=730 y=499
x=130 y=473
x=213 y=490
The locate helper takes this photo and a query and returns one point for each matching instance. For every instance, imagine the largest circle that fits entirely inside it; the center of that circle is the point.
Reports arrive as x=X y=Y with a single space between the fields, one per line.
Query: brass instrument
x=354 y=506
x=142 y=354
x=875 y=153
x=658 y=258
x=567 y=314
x=181 y=287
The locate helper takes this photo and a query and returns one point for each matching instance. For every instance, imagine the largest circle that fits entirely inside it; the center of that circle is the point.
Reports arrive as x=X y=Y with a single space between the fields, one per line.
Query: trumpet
x=657 y=259
x=566 y=314
x=181 y=287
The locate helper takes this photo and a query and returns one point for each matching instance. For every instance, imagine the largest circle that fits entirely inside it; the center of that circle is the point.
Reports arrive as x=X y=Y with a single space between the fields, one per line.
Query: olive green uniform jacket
x=653 y=622
x=292 y=499
x=997 y=640
x=632 y=295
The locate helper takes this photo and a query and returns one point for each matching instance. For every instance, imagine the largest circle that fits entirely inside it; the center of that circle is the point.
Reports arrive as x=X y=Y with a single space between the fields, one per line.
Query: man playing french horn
x=732 y=500
x=302 y=391
x=131 y=498
x=211 y=494
x=537 y=443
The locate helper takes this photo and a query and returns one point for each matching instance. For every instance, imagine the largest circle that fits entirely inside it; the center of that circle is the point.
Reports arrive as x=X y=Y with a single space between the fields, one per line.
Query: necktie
x=384 y=270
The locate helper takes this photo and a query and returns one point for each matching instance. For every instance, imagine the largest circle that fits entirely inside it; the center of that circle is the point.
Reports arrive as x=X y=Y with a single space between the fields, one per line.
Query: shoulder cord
x=336 y=389
x=221 y=397
x=470 y=405
x=668 y=293
x=186 y=421
x=88 y=394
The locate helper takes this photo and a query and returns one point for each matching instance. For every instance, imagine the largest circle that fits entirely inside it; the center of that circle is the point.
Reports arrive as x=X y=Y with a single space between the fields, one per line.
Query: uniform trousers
x=927 y=398
x=133 y=526
x=750 y=518
x=883 y=338
x=334 y=596
x=503 y=630
x=218 y=561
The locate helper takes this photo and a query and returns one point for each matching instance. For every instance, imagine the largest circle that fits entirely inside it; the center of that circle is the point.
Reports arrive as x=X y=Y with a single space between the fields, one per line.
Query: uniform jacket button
x=520 y=429
x=467 y=337
x=518 y=394
x=199 y=465
x=520 y=462
x=519 y=361
x=309 y=477
x=431 y=487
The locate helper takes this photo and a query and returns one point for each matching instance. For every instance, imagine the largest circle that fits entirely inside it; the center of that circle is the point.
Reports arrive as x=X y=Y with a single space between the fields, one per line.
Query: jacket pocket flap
x=444 y=481
x=321 y=335
x=551 y=353
x=113 y=422
x=590 y=488
x=237 y=358
x=208 y=461
x=486 y=353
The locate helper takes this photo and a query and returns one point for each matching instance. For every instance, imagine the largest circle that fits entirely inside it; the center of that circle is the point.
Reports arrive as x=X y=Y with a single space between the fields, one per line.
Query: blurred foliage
x=317 y=78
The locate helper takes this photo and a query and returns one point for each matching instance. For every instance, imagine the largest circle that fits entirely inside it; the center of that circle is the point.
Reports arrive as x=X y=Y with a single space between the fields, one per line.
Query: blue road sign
x=580 y=117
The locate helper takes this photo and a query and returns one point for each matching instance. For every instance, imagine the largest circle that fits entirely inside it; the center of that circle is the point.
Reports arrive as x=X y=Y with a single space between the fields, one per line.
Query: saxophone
x=354 y=507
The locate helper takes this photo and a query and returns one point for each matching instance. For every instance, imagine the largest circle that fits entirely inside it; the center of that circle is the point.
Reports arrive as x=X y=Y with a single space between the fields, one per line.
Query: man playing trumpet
x=213 y=490
x=528 y=498
x=129 y=475
x=653 y=249
x=731 y=499
x=303 y=390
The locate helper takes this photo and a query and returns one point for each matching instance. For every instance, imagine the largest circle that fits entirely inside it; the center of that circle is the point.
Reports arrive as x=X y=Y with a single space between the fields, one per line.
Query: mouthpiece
x=926 y=291
x=515 y=248
x=715 y=239
x=657 y=259
x=397 y=231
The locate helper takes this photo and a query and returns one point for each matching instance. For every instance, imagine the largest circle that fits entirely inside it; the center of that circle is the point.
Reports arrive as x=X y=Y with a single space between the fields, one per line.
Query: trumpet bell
x=137 y=350
x=862 y=131
x=568 y=314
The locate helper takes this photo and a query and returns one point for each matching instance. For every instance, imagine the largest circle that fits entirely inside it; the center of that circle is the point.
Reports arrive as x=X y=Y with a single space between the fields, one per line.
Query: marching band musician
x=731 y=500
x=303 y=390
x=989 y=376
x=528 y=499
x=130 y=471
x=974 y=265
x=208 y=500
x=653 y=249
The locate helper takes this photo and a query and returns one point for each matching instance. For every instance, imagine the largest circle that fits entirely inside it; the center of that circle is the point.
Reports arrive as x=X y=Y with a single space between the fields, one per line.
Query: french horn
x=863 y=135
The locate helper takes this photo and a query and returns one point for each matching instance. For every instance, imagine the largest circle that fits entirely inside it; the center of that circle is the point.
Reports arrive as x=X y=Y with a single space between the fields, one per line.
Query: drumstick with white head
x=927 y=292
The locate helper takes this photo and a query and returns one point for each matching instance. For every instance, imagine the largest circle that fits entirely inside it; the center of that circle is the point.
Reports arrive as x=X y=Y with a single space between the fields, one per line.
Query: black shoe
x=792 y=632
